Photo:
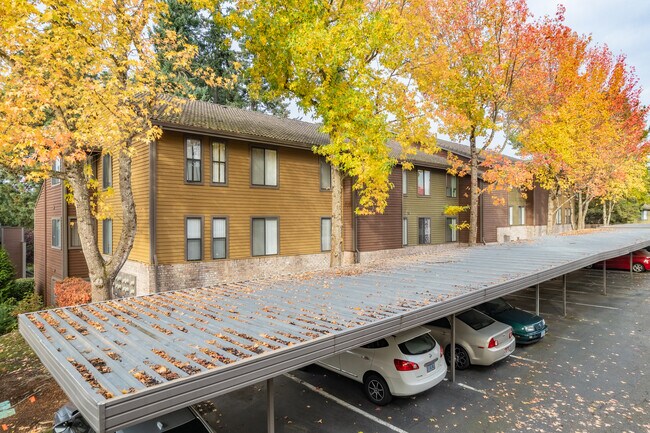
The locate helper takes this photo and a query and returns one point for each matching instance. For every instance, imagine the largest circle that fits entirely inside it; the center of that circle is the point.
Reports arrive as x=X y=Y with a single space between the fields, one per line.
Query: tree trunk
x=581 y=219
x=336 y=254
x=103 y=272
x=473 y=204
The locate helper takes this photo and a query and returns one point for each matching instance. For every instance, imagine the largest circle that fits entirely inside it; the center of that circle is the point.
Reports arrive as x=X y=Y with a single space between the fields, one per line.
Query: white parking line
x=521 y=358
x=572 y=303
x=566 y=338
x=344 y=403
x=471 y=388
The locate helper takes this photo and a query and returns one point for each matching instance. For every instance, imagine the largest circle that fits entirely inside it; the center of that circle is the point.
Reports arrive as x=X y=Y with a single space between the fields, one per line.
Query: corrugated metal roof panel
x=127 y=360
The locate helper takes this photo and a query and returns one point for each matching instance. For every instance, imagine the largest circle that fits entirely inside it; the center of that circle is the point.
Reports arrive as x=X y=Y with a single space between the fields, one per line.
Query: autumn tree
x=473 y=56
x=79 y=80
x=346 y=62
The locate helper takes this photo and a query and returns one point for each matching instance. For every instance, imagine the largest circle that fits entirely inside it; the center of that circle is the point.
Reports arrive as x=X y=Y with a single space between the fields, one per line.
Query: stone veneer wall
x=517 y=233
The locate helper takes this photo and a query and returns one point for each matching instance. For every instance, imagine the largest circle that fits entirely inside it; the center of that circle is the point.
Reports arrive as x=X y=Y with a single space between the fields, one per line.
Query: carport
x=128 y=360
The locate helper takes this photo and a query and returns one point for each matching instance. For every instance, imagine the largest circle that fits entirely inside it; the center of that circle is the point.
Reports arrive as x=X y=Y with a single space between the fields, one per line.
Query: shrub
x=19 y=289
x=7 y=319
x=72 y=291
x=29 y=303
x=7 y=273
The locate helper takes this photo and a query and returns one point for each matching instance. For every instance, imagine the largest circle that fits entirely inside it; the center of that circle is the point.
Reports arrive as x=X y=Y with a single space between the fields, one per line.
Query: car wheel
x=462 y=357
x=376 y=390
x=637 y=267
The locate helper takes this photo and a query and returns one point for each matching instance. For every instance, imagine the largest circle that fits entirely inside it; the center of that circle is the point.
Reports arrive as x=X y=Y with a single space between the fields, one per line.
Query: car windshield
x=475 y=319
x=418 y=345
x=496 y=306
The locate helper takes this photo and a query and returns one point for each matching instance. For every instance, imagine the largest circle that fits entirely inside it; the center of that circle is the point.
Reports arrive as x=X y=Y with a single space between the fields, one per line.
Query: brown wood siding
x=432 y=206
x=495 y=214
x=48 y=261
x=348 y=215
x=12 y=241
x=298 y=201
x=77 y=266
x=140 y=184
x=39 y=242
x=540 y=205
x=383 y=231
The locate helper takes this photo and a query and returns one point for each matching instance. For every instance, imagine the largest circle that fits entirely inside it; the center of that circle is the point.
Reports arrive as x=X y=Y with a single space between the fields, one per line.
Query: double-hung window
x=452 y=186
x=567 y=218
x=73 y=234
x=451 y=234
x=56 y=232
x=192 y=160
x=511 y=215
x=265 y=236
x=424 y=231
x=264 y=167
x=219 y=238
x=107 y=171
x=424 y=182
x=405 y=185
x=218 y=162
x=325 y=174
x=558 y=216
x=193 y=238
x=522 y=215
x=107 y=236
x=326 y=234
x=644 y=215
x=56 y=168
x=405 y=231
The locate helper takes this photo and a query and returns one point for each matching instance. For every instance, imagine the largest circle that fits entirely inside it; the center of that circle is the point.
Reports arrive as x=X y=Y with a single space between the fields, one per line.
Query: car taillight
x=402 y=365
x=492 y=343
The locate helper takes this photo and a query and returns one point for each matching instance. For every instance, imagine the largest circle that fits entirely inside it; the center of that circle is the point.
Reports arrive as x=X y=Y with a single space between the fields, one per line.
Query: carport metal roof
x=128 y=360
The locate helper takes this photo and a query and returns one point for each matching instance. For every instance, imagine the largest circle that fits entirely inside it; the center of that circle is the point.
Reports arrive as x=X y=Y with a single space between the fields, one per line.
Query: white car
x=400 y=365
x=480 y=340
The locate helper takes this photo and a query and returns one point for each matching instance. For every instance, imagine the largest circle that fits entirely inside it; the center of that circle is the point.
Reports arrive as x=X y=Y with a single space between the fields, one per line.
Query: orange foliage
x=72 y=291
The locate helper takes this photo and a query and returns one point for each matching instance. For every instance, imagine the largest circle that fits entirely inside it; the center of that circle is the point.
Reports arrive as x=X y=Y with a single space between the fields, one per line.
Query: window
x=265 y=236
x=73 y=234
x=424 y=230
x=107 y=236
x=193 y=238
x=644 y=215
x=219 y=238
x=107 y=171
x=56 y=233
x=567 y=217
x=405 y=231
x=451 y=234
x=424 y=182
x=558 y=216
x=511 y=215
x=452 y=186
x=192 y=160
x=405 y=184
x=326 y=234
x=264 y=166
x=325 y=174
x=522 y=215
x=56 y=167
x=218 y=162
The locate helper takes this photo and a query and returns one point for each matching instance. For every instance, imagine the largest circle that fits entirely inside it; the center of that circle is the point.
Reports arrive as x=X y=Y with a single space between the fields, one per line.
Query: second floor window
x=325 y=174
x=326 y=234
x=264 y=167
x=405 y=184
x=56 y=233
x=107 y=236
x=192 y=160
x=56 y=167
x=73 y=234
x=522 y=215
x=265 y=236
x=193 y=239
x=219 y=162
x=424 y=231
x=424 y=182
x=219 y=238
x=452 y=186
x=107 y=171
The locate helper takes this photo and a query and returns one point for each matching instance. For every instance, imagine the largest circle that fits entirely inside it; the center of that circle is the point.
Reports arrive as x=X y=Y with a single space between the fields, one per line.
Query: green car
x=527 y=328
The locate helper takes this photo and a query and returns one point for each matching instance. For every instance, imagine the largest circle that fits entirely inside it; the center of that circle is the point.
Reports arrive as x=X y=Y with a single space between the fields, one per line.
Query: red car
x=640 y=262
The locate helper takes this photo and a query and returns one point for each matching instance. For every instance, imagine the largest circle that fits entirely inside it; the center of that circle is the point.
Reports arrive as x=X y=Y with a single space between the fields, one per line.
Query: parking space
x=589 y=374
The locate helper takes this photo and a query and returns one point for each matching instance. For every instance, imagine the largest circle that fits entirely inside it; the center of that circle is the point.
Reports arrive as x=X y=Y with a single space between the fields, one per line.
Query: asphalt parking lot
x=589 y=374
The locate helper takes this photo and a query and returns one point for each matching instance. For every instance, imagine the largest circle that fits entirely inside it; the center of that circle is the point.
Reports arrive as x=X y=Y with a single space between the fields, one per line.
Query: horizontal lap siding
x=432 y=206
x=540 y=206
x=39 y=242
x=516 y=200
x=54 y=262
x=77 y=266
x=495 y=214
x=297 y=202
x=384 y=231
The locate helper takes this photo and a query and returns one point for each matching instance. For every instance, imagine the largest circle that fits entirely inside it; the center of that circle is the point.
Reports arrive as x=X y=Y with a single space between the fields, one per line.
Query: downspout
x=64 y=232
x=45 y=291
x=355 y=226
x=153 y=259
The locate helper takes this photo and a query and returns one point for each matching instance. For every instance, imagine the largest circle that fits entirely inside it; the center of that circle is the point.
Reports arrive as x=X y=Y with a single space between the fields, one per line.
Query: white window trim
x=277 y=230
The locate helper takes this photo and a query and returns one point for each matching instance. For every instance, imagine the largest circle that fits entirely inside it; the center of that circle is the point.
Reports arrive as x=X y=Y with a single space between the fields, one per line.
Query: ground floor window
x=107 y=236
x=56 y=232
x=511 y=216
x=193 y=238
x=219 y=238
x=451 y=234
x=644 y=215
x=405 y=231
x=265 y=236
x=73 y=234
x=522 y=215
x=424 y=231
x=326 y=234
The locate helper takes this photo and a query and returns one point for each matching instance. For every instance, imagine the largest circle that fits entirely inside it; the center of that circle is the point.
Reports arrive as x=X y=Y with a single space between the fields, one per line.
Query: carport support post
x=631 y=272
x=270 y=411
x=537 y=300
x=564 y=278
x=605 y=278
x=453 y=348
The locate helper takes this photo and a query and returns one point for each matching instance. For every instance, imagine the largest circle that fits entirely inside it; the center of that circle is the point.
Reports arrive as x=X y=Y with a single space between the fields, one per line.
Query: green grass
x=15 y=353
